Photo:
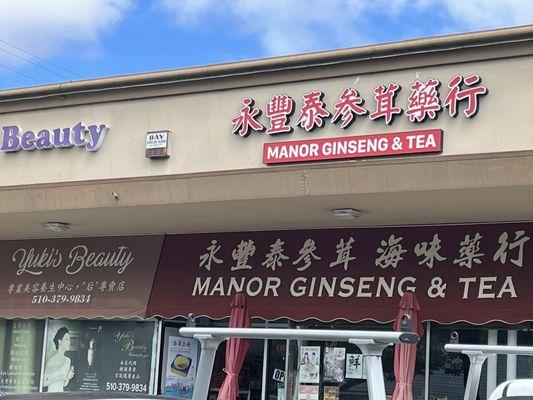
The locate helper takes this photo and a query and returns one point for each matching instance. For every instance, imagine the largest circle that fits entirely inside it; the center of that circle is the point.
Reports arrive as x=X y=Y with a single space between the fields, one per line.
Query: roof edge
x=392 y=49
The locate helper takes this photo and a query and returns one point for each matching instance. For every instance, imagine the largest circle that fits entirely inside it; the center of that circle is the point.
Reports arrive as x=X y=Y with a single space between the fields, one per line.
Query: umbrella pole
x=372 y=353
x=209 y=347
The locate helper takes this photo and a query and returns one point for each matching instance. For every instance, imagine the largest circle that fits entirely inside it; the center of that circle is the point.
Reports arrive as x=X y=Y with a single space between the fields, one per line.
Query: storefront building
x=323 y=186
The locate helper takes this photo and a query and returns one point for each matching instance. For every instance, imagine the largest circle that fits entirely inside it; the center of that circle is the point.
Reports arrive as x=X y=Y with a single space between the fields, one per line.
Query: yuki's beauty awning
x=86 y=277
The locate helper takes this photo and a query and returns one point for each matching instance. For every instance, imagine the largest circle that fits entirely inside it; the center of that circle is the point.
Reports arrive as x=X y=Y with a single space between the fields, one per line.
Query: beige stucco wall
x=200 y=123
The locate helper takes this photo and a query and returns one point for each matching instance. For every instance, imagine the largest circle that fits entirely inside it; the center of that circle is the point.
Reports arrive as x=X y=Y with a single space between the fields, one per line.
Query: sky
x=50 y=41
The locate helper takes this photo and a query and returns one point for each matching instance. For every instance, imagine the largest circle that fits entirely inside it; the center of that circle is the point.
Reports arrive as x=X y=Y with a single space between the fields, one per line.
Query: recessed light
x=56 y=226
x=346 y=213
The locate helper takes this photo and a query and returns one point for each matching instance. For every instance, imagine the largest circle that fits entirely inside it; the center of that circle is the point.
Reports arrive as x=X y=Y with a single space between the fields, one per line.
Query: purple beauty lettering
x=11 y=140
x=79 y=135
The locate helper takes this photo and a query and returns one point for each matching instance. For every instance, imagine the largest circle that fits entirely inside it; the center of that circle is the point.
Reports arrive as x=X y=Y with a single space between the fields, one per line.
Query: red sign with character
x=423 y=102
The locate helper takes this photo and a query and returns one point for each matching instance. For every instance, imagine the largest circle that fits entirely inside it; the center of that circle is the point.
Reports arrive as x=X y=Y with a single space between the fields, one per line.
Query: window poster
x=181 y=364
x=334 y=363
x=354 y=366
x=308 y=392
x=21 y=348
x=331 y=393
x=309 y=364
x=114 y=356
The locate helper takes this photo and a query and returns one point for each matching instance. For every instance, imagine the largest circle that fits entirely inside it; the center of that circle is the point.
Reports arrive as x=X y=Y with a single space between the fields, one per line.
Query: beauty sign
x=15 y=138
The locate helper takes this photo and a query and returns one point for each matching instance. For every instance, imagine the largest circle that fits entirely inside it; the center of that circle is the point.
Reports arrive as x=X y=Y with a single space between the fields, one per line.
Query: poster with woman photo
x=309 y=357
x=334 y=364
x=99 y=356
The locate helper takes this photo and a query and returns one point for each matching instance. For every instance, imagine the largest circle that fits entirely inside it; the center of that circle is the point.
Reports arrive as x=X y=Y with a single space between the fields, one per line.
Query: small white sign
x=158 y=144
x=157 y=140
x=354 y=366
x=278 y=375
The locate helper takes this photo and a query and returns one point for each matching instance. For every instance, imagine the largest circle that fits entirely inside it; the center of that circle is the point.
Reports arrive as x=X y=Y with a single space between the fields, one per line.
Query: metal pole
x=43 y=354
x=156 y=356
x=372 y=357
x=512 y=339
x=205 y=366
x=264 y=381
x=491 y=362
x=302 y=334
x=428 y=355
x=474 y=373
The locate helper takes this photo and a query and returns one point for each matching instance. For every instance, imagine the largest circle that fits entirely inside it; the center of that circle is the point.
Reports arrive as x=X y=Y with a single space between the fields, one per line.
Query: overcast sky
x=46 y=41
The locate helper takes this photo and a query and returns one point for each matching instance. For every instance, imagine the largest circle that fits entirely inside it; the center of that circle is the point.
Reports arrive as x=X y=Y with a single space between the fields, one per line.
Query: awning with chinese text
x=474 y=273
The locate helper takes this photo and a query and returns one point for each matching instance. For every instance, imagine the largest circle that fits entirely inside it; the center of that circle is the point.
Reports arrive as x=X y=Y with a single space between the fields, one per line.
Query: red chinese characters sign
x=86 y=277
x=423 y=103
x=475 y=273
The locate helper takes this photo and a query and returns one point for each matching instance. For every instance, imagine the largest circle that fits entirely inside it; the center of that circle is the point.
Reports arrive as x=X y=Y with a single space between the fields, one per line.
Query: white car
x=517 y=389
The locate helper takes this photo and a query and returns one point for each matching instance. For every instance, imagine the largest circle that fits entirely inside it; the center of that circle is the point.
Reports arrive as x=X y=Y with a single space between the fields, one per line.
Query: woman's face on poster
x=65 y=342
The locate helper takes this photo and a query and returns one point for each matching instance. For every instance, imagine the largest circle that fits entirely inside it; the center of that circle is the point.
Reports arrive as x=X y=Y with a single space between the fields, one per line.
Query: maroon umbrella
x=405 y=354
x=235 y=349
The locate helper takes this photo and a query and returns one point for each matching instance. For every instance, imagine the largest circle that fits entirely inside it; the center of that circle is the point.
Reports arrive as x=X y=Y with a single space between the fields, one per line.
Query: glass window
x=21 y=347
x=448 y=371
x=524 y=364
x=341 y=374
x=250 y=376
x=277 y=350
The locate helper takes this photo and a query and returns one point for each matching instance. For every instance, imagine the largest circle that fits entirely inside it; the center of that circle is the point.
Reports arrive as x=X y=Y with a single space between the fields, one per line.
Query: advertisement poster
x=334 y=363
x=114 y=356
x=181 y=366
x=310 y=364
x=21 y=348
x=309 y=392
x=331 y=393
x=354 y=366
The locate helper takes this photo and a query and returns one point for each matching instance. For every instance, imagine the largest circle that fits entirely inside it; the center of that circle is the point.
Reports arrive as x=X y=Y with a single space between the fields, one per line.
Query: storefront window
x=21 y=346
x=276 y=376
x=524 y=364
x=336 y=370
x=449 y=371
x=250 y=377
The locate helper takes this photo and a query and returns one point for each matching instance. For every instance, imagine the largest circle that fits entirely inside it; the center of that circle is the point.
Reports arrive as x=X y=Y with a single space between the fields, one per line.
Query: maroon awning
x=87 y=277
x=475 y=273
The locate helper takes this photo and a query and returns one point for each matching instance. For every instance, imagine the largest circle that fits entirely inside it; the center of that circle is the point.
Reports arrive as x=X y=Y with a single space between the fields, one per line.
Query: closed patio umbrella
x=405 y=354
x=235 y=349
